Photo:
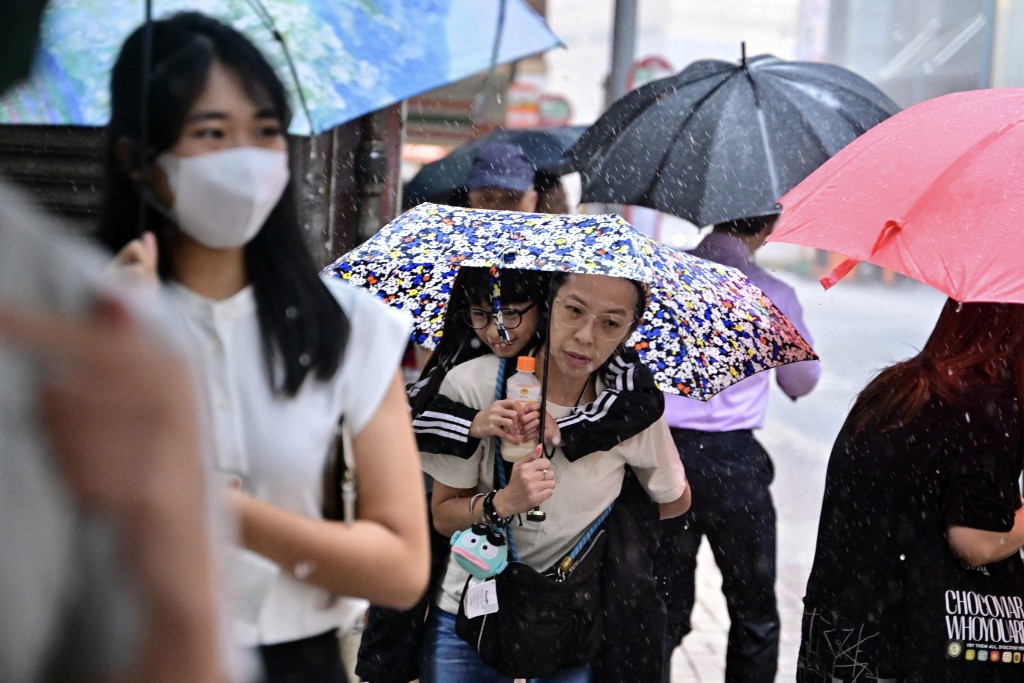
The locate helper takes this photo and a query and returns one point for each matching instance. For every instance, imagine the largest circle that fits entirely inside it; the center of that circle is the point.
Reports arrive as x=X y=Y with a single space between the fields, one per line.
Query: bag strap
x=339 y=500
x=500 y=479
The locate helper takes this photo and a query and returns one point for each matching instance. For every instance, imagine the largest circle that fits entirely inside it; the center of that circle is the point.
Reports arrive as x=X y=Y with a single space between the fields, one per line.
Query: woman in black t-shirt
x=931 y=450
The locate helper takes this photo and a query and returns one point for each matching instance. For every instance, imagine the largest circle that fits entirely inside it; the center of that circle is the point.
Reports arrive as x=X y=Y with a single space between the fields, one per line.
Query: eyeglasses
x=573 y=316
x=511 y=318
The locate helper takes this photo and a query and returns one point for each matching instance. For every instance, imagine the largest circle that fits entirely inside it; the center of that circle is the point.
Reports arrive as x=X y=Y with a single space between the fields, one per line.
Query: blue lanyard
x=499 y=468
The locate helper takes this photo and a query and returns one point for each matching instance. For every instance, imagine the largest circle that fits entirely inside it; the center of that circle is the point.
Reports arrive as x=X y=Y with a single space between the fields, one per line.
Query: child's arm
x=448 y=427
x=630 y=403
x=443 y=427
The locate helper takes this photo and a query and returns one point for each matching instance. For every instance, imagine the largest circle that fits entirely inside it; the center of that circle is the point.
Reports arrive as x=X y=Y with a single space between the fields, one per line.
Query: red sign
x=522 y=108
x=555 y=110
x=648 y=69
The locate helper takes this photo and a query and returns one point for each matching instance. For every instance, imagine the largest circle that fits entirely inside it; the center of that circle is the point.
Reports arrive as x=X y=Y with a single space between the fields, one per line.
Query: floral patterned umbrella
x=705 y=328
x=351 y=56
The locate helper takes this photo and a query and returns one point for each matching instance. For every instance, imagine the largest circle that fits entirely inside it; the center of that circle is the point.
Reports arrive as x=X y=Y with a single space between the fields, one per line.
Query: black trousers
x=316 y=659
x=730 y=473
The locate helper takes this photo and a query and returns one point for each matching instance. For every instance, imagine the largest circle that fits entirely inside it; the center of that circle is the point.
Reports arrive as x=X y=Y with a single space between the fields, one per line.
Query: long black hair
x=972 y=345
x=303 y=327
x=459 y=342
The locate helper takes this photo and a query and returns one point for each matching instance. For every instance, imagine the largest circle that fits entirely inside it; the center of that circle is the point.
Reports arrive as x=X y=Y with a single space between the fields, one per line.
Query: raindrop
x=291 y=313
x=305 y=359
x=902 y=557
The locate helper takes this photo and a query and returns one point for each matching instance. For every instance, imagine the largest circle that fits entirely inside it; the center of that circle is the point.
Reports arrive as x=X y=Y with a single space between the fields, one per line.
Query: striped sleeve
x=629 y=403
x=443 y=427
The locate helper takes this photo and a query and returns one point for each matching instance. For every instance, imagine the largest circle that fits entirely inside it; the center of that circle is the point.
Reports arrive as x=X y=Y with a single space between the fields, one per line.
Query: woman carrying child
x=591 y=318
x=628 y=403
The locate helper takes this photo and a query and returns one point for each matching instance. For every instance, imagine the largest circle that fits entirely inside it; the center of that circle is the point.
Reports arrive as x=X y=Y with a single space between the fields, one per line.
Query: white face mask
x=221 y=199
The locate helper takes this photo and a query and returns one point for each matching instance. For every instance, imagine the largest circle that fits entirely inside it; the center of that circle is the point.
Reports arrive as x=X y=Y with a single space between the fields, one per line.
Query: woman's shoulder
x=991 y=404
x=363 y=308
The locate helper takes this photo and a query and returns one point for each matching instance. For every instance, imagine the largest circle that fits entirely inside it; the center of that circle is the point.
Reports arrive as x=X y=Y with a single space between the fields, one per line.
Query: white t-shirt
x=279 y=444
x=584 y=487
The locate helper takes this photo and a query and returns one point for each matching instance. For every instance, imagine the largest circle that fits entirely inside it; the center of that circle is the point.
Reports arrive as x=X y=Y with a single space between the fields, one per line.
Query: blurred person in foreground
x=731 y=473
x=106 y=572
x=501 y=179
x=927 y=465
x=284 y=354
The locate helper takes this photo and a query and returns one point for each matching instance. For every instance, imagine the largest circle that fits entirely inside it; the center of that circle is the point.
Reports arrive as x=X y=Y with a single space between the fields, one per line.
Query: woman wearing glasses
x=629 y=402
x=591 y=318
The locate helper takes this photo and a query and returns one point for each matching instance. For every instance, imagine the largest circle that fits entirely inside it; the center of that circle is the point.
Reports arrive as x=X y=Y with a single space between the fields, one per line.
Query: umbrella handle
x=536 y=514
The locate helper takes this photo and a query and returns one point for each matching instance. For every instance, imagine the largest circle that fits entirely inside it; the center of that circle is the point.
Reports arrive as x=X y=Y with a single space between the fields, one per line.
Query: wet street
x=859 y=327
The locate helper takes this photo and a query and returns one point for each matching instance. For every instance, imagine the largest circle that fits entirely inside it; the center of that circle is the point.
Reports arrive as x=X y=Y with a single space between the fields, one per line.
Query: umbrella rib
x=268 y=22
x=953 y=168
x=599 y=138
x=762 y=127
x=857 y=125
x=647 y=196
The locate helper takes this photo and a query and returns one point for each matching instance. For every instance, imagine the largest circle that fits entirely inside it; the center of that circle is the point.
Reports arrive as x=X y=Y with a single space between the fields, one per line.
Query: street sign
x=522 y=105
x=648 y=69
x=555 y=110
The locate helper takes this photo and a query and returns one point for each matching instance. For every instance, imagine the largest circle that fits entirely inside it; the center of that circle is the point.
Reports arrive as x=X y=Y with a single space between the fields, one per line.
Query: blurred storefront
x=512 y=95
x=916 y=50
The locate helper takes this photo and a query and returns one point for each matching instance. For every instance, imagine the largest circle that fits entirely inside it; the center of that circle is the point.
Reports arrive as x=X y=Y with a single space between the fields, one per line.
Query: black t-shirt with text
x=951 y=465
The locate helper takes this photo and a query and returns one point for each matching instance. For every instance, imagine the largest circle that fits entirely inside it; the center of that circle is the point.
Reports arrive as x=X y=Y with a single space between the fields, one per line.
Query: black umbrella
x=720 y=141
x=444 y=181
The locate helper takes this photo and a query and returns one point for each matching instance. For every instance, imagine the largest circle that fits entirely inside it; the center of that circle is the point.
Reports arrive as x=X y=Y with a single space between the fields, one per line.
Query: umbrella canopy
x=722 y=141
x=706 y=325
x=351 y=57
x=444 y=181
x=934 y=193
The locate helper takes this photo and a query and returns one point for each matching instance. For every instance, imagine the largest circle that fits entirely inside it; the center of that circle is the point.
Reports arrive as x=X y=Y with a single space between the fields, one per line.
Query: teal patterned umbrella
x=706 y=325
x=352 y=56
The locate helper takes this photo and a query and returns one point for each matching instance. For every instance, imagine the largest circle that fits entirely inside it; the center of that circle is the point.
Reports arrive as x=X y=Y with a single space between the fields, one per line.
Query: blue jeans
x=449 y=659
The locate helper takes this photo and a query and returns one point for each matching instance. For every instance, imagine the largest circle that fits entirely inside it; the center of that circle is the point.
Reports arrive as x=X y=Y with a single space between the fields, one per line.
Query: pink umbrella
x=936 y=193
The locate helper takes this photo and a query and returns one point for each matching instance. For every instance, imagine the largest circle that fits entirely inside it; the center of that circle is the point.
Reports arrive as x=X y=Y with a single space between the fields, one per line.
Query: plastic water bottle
x=523 y=388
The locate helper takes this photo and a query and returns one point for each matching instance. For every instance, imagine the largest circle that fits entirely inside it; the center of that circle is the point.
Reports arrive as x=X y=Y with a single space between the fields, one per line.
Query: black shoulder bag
x=546 y=621
x=339 y=495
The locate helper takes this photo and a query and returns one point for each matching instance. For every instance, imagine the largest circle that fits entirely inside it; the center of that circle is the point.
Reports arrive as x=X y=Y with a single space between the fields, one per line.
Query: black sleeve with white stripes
x=630 y=403
x=443 y=427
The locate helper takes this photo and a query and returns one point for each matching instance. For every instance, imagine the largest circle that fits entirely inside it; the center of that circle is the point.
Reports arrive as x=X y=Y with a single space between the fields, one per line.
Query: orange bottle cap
x=526 y=364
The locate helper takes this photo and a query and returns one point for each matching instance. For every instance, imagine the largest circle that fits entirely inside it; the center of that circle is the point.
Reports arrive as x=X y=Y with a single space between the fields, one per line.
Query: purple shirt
x=743 y=405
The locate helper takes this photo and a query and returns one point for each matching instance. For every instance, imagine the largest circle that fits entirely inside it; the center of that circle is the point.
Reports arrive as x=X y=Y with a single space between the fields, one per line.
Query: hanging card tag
x=481 y=598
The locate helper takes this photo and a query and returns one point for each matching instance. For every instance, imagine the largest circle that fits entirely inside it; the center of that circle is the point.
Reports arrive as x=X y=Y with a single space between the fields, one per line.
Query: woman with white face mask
x=283 y=353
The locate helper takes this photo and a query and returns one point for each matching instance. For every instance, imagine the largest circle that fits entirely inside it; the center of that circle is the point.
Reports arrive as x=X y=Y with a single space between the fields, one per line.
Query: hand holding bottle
x=500 y=419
